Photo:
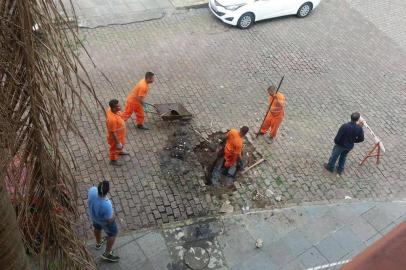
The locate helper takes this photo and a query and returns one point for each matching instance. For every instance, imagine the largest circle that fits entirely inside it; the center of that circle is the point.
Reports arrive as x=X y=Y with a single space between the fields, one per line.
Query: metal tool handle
x=270 y=105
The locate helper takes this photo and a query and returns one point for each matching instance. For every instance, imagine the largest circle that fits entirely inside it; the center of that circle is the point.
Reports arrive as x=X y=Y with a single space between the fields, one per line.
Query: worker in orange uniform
x=276 y=113
x=233 y=150
x=115 y=132
x=135 y=100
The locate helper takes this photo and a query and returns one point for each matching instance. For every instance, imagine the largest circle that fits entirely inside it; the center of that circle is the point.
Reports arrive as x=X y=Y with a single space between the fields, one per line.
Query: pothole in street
x=187 y=160
x=208 y=151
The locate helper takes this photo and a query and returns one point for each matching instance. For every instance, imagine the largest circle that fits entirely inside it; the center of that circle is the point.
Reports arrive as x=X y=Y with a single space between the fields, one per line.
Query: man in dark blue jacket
x=347 y=135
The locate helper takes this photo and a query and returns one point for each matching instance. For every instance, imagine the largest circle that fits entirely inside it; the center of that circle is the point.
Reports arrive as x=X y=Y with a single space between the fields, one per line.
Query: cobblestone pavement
x=335 y=62
x=387 y=16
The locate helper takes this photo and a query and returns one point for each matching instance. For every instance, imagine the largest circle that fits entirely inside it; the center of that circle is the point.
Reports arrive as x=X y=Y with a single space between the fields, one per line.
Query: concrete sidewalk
x=95 y=13
x=302 y=237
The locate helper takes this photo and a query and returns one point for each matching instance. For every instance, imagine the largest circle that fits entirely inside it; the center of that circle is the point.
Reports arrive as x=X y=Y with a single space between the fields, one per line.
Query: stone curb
x=191 y=221
x=181 y=4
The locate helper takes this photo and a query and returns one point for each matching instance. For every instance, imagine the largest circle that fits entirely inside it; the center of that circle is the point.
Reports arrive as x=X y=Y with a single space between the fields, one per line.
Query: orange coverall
x=233 y=148
x=115 y=124
x=140 y=90
x=275 y=117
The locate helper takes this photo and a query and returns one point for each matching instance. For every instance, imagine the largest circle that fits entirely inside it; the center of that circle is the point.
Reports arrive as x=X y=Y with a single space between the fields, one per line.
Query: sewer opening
x=207 y=153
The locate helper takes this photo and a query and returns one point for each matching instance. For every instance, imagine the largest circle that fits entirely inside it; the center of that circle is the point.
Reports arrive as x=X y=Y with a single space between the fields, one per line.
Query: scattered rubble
x=226 y=207
x=245 y=209
x=259 y=243
x=269 y=193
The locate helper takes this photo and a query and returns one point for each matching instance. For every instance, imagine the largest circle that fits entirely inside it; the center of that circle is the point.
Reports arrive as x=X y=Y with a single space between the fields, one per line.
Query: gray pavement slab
x=152 y=243
x=378 y=218
x=321 y=227
x=331 y=249
x=258 y=260
x=279 y=251
x=362 y=228
x=293 y=265
x=260 y=227
x=160 y=260
x=348 y=240
x=312 y=258
x=237 y=244
x=297 y=242
x=231 y=245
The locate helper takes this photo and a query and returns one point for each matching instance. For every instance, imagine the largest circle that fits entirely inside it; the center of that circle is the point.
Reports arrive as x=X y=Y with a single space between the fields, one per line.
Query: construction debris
x=226 y=207
x=259 y=243
x=269 y=193
x=245 y=209
x=257 y=195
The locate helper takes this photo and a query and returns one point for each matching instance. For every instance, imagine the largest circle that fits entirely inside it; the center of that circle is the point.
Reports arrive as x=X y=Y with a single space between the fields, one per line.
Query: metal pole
x=270 y=106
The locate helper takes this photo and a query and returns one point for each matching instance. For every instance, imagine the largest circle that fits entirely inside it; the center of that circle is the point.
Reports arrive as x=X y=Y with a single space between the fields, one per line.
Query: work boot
x=269 y=140
x=124 y=153
x=110 y=257
x=327 y=168
x=115 y=163
x=142 y=127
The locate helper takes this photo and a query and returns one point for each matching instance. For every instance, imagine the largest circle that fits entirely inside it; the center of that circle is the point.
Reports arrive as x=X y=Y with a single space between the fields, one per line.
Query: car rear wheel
x=304 y=10
x=246 y=20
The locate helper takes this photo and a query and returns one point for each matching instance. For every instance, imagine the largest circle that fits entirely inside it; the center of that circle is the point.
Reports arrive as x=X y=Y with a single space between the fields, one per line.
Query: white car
x=243 y=13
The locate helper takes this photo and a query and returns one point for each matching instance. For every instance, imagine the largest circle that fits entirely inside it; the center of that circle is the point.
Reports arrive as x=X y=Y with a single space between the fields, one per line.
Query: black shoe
x=142 y=127
x=269 y=140
x=99 y=246
x=327 y=168
x=110 y=257
x=124 y=153
x=115 y=163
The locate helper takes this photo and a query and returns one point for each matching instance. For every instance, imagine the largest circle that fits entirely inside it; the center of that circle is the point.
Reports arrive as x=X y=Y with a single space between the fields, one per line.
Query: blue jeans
x=339 y=153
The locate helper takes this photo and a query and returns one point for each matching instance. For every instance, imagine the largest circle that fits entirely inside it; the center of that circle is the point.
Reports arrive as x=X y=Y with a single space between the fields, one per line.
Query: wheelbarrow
x=171 y=111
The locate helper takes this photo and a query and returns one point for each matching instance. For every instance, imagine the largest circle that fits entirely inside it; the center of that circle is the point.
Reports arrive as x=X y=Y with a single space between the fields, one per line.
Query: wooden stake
x=253 y=165
x=201 y=135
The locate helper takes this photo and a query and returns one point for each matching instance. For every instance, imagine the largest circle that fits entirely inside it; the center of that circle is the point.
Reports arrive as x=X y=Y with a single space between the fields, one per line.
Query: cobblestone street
x=335 y=61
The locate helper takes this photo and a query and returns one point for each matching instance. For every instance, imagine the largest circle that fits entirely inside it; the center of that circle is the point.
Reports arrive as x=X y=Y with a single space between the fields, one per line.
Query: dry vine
x=40 y=88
